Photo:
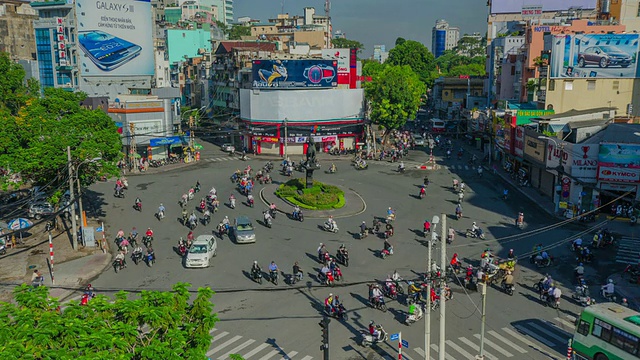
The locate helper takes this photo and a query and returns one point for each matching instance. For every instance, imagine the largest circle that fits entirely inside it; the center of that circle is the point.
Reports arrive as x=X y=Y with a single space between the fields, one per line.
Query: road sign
x=394 y=336
x=405 y=343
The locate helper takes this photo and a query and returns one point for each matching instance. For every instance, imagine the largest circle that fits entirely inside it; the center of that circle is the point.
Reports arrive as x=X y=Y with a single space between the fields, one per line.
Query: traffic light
x=190 y=121
x=324 y=324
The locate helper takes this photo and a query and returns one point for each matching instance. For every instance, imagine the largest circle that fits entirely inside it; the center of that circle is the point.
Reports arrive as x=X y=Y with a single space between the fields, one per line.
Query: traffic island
x=318 y=202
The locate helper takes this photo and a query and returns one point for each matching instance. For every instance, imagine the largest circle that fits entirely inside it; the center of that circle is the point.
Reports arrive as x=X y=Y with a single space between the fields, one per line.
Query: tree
x=371 y=67
x=394 y=95
x=157 y=325
x=13 y=93
x=341 y=43
x=237 y=31
x=471 y=46
x=471 y=70
x=400 y=41
x=416 y=56
x=44 y=127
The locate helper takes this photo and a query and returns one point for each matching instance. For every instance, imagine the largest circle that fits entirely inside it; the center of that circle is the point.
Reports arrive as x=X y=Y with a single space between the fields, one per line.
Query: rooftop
x=622 y=133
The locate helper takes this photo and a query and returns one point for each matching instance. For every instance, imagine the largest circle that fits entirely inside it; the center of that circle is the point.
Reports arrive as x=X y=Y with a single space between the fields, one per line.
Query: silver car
x=201 y=251
x=418 y=140
x=228 y=148
x=243 y=230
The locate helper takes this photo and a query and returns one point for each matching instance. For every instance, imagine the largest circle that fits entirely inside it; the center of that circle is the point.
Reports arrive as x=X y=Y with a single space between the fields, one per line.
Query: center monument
x=311 y=164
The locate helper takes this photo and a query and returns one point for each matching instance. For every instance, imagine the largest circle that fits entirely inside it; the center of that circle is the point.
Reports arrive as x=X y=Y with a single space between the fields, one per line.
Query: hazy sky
x=374 y=22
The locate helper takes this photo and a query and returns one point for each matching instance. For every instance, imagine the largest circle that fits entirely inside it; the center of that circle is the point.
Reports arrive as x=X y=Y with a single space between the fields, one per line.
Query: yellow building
x=585 y=93
x=312 y=29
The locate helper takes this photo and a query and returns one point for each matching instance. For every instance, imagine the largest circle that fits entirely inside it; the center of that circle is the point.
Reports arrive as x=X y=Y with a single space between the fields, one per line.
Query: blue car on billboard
x=604 y=56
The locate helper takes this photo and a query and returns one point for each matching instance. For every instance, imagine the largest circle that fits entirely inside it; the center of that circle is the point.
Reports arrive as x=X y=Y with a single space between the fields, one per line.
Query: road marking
x=223 y=345
x=289 y=355
x=519 y=337
x=220 y=336
x=421 y=353
x=495 y=346
x=506 y=341
x=628 y=250
x=446 y=355
x=457 y=348
x=548 y=333
x=307 y=358
x=255 y=351
x=271 y=354
x=476 y=348
x=212 y=331
x=236 y=349
x=565 y=323
x=535 y=336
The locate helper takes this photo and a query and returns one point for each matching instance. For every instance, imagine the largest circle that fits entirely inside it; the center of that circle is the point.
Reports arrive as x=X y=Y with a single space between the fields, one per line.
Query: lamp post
x=73 y=173
x=286 y=136
x=559 y=169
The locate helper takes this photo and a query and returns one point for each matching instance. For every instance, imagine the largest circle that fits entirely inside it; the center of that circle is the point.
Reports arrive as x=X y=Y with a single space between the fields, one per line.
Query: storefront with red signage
x=618 y=174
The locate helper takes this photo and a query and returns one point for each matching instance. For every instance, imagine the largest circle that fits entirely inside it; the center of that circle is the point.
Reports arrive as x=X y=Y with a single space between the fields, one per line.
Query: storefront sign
x=553 y=156
x=165 y=141
x=531 y=11
x=618 y=187
x=524 y=117
x=263 y=130
x=617 y=174
x=266 y=139
x=335 y=129
x=549 y=29
x=620 y=155
x=148 y=127
x=534 y=149
x=518 y=143
x=508 y=140
x=584 y=162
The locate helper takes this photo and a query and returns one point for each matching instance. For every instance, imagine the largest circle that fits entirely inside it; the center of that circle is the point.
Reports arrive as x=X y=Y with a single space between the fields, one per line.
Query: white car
x=418 y=140
x=201 y=251
x=228 y=148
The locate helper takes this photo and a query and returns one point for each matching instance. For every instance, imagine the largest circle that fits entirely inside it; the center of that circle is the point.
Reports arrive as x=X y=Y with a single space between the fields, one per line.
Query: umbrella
x=197 y=146
x=19 y=223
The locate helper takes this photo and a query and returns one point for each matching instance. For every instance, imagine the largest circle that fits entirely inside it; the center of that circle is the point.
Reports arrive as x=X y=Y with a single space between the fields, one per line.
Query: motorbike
x=337 y=273
x=3 y=249
x=206 y=220
x=552 y=301
x=360 y=166
x=250 y=202
x=390 y=218
x=298 y=216
x=343 y=258
x=119 y=194
x=150 y=259
x=611 y=297
x=324 y=257
x=136 y=257
x=400 y=169
x=232 y=203
x=390 y=291
x=508 y=289
x=386 y=252
x=581 y=295
x=422 y=193
x=543 y=263
x=267 y=221
x=160 y=215
x=366 y=339
x=412 y=318
x=520 y=224
x=378 y=303
x=330 y=228
x=182 y=250
x=147 y=241
x=118 y=265
x=137 y=206
x=473 y=234
x=339 y=313
x=273 y=213
x=273 y=275
x=326 y=280
x=193 y=224
x=256 y=276
x=222 y=229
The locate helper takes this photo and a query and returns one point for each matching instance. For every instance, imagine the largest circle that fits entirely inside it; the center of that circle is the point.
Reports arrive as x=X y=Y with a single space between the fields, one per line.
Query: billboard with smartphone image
x=115 y=37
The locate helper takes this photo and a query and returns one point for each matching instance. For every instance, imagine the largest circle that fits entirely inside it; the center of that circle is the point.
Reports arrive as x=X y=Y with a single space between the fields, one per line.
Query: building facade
x=285 y=30
x=380 y=53
x=443 y=37
x=16 y=30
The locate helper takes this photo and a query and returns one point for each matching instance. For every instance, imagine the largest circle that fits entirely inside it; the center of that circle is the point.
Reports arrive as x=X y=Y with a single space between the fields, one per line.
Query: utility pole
x=191 y=140
x=324 y=324
x=427 y=319
x=443 y=285
x=132 y=150
x=80 y=207
x=72 y=200
x=484 y=314
x=286 y=136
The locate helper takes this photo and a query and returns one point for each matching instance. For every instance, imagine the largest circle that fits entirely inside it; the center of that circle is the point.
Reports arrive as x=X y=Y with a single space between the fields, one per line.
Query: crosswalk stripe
x=521 y=338
x=236 y=349
x=271 y=354
x=535 y=336
x=223 y=345
x=457 y=348
x=565 y=323
x=213 y=330
x=289 y=355
x=446 y=355
x=495 y=346
x=548 y=333
x=255 y=351
x=307 y=357
x=220 y=336
x=476 y=348
x=507 y=341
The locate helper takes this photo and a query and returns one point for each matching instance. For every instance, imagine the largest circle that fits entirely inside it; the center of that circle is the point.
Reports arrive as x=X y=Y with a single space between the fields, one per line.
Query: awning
x=557 y=128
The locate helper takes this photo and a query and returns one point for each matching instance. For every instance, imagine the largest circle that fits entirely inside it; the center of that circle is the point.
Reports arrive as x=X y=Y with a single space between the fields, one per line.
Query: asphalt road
x=272 y=322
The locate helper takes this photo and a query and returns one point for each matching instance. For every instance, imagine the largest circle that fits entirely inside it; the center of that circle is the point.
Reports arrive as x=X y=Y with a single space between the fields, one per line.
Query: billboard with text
x=115 y=37
x=291 y=74
x=343 y=57
x=594 y=56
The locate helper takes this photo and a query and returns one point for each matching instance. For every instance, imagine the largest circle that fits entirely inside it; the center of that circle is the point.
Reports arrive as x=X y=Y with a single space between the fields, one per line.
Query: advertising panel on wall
x=534 y=149
x=291 y=74
x=579 y=160
x=618 y=174
x=524 y=117
x=115 y=37
x=594 y=56
x=518 y=142
x=515 y=7
x=343 y=57
x=619 y=155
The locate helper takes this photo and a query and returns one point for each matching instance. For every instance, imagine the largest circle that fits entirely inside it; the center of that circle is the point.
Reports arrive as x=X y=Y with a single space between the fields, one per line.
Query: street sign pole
x=400 y=345
x=443 y=285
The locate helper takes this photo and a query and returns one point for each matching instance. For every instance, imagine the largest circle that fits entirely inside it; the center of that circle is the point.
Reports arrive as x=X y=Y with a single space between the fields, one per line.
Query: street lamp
x=80 y=189
x=559 y=169
x=72 y=199
x=286 y=136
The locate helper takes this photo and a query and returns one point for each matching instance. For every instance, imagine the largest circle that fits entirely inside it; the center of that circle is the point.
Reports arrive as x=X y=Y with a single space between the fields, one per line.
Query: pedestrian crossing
x=220 y=159
x=224 y=344
x=628 y=250
x=504 y=343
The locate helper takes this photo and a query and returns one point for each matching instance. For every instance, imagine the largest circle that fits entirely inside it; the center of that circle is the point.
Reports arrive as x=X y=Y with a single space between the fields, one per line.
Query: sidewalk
x=627 y=290
x=75 y=274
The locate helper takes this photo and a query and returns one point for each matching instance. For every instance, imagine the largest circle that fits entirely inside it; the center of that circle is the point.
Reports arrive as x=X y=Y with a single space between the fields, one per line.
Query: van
x=437 y=126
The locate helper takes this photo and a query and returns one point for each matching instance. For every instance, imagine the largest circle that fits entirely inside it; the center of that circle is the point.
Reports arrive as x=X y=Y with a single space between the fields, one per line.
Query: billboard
x=594 y=56
x=515 y=7
x=617 y=174
x=619 y=155
x=115 y=37
x=343 y=56
x=291 y=74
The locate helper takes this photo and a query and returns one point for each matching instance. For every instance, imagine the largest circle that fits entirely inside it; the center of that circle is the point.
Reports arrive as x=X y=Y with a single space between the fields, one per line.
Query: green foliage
x=13 y=94
x=371 y=67
x=237 y=31
x=416 y=56
x=319 y=197
x=44 y=128
x=471 y=69
x=451 y=63
x=347 y=44
x=394 y=94
x=157 y=325
x=472 y=46
x=549 y=133
x=400 y=41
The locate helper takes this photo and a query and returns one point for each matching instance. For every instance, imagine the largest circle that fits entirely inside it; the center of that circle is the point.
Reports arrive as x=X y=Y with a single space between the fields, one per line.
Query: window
x=591 y=85
x=616 y=84
x=568 y=85
x=552 y=85
x=513 y=70
x=625 y=341
x=583 y=328
x=638 y=14
x=602 y=330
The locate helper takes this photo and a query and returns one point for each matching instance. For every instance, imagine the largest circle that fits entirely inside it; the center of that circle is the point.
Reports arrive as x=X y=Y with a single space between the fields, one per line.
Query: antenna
x=327 y=8
x=282 y=7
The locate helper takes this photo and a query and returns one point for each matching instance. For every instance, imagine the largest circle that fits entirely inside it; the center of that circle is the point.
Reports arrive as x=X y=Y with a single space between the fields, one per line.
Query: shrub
x=318 y=197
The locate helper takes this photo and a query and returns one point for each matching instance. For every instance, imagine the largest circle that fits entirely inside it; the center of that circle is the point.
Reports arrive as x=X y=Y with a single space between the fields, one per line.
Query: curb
x=99 y=269
x=162 y=169
x=429 y=167
x=364 y=207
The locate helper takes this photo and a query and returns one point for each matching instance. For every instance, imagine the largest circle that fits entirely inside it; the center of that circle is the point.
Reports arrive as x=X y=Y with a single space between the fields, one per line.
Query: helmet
x=455 y=255
x=364 y=222
x=474 y=223
x=509 y=272
x=330 y=294
x=580 y=264
x=410 y=282
x=337 y=297
x=610 y=281
x=255 y=262
x=510 y=250
x=226 y=217
x=321 y=244
x=160 y=204
x=371 y=322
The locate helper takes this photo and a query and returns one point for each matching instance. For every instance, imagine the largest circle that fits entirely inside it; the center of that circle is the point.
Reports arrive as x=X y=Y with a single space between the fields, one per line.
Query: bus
x=607 y=331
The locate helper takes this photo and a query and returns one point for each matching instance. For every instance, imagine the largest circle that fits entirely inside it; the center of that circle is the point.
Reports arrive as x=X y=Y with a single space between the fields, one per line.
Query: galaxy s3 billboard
x=291 y=74
x=115 y=37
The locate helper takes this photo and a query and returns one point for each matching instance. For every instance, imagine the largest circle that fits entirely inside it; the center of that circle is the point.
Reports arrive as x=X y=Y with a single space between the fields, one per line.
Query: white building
x=443 y=37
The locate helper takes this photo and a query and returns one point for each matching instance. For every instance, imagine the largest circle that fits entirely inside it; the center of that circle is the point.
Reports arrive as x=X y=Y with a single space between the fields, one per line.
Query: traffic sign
x=394 y=336
x=405 y=343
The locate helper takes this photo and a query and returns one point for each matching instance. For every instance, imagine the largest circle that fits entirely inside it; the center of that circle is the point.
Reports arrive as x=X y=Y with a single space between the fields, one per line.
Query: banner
x=343 y=57
x=283 y=74
x=518 y=142
x=616 y=174
x=115 y=37
x=619 y=155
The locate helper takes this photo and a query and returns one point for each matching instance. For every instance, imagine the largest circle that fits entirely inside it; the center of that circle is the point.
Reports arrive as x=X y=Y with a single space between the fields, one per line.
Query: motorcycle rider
x=388 y=247
x=389 y=230
x=333 y=168
x=608 y=290
x=415 y=311
x=480 y=170
x=373 y=331
x=120 y=234
x=232 y=201
x=391 y=214
x=459 y=211
x=401 y=166
x=414 y=291
x=255 y=269
x=149 y=233
x=451 y=235
x=322 y=250
x=505 y=194
x=296 y=212
x=455 y=184
x=207 y=216
x=190 y=237
x=330 y=223
x=520 y=219
x=462 y=186
x=193 y=219
x=225 y=222
x=203 y=204
x=138 y=203
x=185 y=198
x=185 y=215
x=121 y=259
x=325 y=271
x=375 y=294
x=460 y=197
x=543 y=257
x=426 y=227
x=576 y=244
x=151 y=254
x=363 y=228
x=507 y=280
x=273 y=269
x=455 y=262
x=297 y=271
x=328 y=304
x=137 y=252
x=511 y=255
x=423 y=191
x=475 y=229
x=579 y=270
x=556 y=293
x=266 y=216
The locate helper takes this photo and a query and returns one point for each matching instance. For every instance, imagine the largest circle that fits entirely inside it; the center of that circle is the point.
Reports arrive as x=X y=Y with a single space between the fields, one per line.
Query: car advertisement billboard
x=594 y=56
x=291 y=74
x=115 y=37
x=619 y=155
x=515 y=7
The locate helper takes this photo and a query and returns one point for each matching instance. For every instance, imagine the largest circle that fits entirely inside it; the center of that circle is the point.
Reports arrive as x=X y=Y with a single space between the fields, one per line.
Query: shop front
x=618 y=174
x=534 y=154
x=163 y=148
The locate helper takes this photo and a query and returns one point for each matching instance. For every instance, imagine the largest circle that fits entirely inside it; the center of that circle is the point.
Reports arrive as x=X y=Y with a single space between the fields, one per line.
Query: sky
x=379 y=22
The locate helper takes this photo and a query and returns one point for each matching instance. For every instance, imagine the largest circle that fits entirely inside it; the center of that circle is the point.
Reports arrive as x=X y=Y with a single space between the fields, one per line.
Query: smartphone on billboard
x=108 y=52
